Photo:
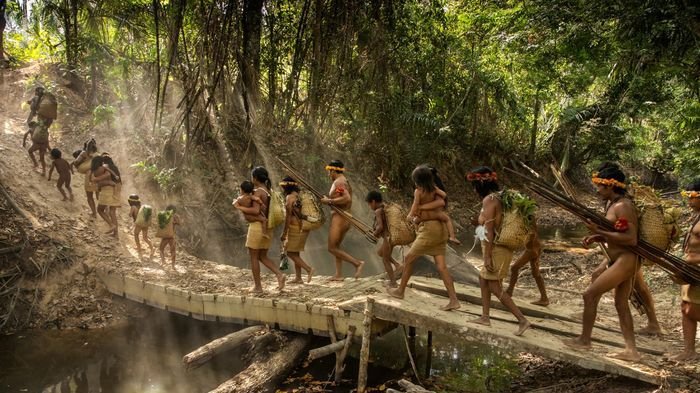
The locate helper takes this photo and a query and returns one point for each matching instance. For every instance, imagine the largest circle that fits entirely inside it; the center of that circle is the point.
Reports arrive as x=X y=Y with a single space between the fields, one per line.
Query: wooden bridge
x=210 y=291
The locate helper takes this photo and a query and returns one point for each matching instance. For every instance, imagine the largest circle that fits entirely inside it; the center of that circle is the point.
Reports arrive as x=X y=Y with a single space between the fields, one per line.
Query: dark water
x=146 y=357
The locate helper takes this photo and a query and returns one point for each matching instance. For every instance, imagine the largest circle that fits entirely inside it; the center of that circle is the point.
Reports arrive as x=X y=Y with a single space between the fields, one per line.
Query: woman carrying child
x=293 y=236
x=431 y=235
x=83 y=164
x=108 y=179
x=259 y=239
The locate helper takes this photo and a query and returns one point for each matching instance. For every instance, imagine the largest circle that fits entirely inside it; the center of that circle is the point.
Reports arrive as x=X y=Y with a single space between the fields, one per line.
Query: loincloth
x=690 y=293
x=109 y=196
x=501 y=258
x=296 y=238
x=431 y=239
x=255 y=239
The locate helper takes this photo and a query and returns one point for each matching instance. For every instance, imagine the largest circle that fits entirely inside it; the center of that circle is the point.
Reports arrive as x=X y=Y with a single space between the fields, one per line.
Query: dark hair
x=260 y=174
x=77 y=153
x=610 y=170
x=247 y=186
x=113 y=167
x=337 y=164
x=288 y=189
x=424 y=178
x=374 y=196
x=694 y=186
x=171 y=207
x=90 y=145
x=484 y=188
x=55 y=153
x=96 y=162
x=134 y=200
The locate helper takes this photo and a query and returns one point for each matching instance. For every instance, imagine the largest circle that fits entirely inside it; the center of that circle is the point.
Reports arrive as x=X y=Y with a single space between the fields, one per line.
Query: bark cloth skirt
x=296 y=238
x=690 y=293
x=255 y=239
x=110 y=196
x=89 y=185
x=431 y=239
x=501 y=258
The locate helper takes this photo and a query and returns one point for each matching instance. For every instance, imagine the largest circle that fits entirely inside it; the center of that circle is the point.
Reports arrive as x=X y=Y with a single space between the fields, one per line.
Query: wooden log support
x=326 y=350
x=340 y=360
x=331 y=328
x=229 y=342
x=268 y=367
x=364 y=352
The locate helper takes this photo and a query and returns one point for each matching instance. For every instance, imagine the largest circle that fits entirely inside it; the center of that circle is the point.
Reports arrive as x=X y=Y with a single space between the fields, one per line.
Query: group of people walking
x=433 y=231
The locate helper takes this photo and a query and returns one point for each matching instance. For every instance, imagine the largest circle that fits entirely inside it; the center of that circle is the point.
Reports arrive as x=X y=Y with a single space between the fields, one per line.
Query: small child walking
x=40 y=141
x=141 y=215
x=167 y=219
x=381 y=231
x=64 y=170
x=247 y=199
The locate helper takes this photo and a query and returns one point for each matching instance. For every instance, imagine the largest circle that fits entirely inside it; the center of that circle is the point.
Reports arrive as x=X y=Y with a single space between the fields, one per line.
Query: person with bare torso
x=690 y=306
x=64 y=170
x=619 y=272
x=83 y=163
x=293 y=236
x=340 y=196
x=497 y=258
x=108 y=179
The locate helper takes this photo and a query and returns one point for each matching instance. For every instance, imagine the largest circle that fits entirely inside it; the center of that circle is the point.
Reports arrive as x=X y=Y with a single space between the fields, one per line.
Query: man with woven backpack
x=690 y=307
x=497 y=257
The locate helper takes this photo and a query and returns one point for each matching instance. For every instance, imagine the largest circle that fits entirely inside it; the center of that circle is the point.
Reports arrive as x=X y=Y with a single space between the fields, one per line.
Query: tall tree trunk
x=252 y=27
x=315 y=88
x=533 y=131
x=156 y=10
x=3 y=4
x=272 y=67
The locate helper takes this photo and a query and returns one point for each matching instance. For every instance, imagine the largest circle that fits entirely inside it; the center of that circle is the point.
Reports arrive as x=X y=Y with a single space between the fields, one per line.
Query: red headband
x=482 y=177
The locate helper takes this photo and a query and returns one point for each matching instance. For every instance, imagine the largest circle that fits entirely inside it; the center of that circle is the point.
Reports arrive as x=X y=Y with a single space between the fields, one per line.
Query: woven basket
x=40 y=134
x=401 y=231
x=652 y=229
x=311 y=208
x=85 y=166
x=513 y=233
x=275 y=213
x=143 y=217
x=48 y=108
x=167 y=230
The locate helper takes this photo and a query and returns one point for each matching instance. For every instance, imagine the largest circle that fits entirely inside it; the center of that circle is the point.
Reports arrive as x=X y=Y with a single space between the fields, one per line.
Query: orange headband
x=690 y=194
x=334 y=168
x=482 y=176
x=288 y=183
x=608 y=182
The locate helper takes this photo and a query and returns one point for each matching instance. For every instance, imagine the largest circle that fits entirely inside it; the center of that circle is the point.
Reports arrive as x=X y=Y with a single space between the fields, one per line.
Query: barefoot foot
x=256 y=291
x=684 y=356
x=358 y=269
x=453 y=305
x=337 y=278
x=309 y=275
x=281 y=280
x=651 y=330
x=486 y=321
x=395 y=293
x=297 y=280
x=541 y=302
x=627 y=355
x=576 y=343
x=522 y=327
x=454 y=241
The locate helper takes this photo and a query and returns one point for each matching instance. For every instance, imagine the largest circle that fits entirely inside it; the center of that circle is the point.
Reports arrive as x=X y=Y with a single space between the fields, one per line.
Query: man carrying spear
x=690 y=307
x=340 y=196
x=621 y=269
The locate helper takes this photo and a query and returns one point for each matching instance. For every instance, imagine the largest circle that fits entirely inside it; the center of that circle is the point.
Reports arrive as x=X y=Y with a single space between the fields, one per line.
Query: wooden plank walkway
x=211 y=291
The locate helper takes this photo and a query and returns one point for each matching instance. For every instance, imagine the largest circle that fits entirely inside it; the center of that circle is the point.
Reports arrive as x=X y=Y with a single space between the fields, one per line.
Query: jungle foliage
x=396 y=82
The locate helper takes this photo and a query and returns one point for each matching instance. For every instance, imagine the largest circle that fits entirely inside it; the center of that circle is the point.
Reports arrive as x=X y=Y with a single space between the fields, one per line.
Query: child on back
x=64 y=173
x=247 y=199
x=381 y=230
x=167 y=219
x=438 y=214
x=141 y=215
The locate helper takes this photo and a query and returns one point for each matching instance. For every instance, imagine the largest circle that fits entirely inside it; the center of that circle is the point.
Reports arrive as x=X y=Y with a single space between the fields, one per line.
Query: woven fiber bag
x=311 y=211
x=514 y=232
x=652 y=229
x=40 y=134
x=85 y=166
x=48 y=107
x=143 y=217
x=166 y=228
x=275 y=213
x=401 y=231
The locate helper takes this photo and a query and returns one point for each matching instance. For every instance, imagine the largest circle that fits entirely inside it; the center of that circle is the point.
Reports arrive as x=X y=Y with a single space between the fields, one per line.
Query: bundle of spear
x=360 y=225
x=670 y=263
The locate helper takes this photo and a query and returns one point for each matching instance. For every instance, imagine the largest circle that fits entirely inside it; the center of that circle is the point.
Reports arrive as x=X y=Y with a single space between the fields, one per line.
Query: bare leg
x=451 y=231
x=115 y=224
x=147 y=240
x=172 y=251
x=300 y=264
x=255 y=268
x=535 y=267
x=91 y=203
x=281 y=278
x=102 y=211
x=70 y=191
x=449 y=283
x=617 y=273
x=58 y=185
x=387 y=261
x=42 y=153
x=338 y=228
x=31 y=151
x=136 y=239
x=653 y=327
x=161 y=248
x=506 y=300
x=527 y=256
x=691 y=316
x=622 y=295
x=409 y=260
x=485 y=319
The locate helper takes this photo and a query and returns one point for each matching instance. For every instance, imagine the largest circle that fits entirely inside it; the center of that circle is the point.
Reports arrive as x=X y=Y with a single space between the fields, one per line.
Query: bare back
x=62 y=167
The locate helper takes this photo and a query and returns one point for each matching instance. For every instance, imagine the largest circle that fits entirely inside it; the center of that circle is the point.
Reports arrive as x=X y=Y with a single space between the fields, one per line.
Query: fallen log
x=327 y=350
x=409 y=387
x=269 y=365
x=340 y=359
x=229 y=342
